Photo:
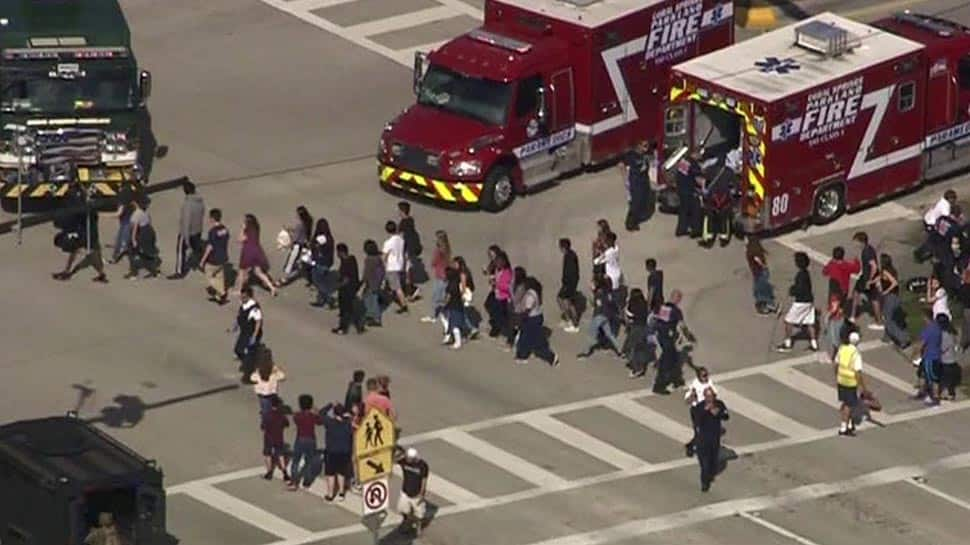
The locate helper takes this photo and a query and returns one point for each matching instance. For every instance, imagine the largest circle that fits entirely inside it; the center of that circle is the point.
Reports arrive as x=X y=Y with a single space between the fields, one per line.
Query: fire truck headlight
x=464 y=169
x=396 y=150
x=381 y=147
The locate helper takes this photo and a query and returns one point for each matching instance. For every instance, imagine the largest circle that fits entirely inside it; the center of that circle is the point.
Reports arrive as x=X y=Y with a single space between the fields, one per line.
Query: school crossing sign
x=374 y=446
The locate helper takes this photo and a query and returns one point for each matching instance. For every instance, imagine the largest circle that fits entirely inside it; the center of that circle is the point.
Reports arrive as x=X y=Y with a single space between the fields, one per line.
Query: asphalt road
x=271 y=104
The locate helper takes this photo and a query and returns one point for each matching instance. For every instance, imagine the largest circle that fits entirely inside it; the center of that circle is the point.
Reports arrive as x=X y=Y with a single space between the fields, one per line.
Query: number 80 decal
x=779 y=205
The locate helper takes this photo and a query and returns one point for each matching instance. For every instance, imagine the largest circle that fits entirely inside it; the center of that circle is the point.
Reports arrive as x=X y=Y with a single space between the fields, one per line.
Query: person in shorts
x=336 y=457
x=274 y=448
x=567 y=295
x=849 y=381
x=411 y=504
x=801 y=314
x=868 y=282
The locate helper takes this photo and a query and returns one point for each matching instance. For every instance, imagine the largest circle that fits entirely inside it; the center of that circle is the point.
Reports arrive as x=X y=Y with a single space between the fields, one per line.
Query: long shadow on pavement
x=128 y=410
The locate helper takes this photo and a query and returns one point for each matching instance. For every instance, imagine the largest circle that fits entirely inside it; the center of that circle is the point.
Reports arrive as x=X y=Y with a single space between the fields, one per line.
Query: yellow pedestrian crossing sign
x=373 y=446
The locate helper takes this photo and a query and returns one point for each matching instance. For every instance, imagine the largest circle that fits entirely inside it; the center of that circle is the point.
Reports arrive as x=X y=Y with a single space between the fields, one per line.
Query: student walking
x=393 y=251
x=517 y=309
x=839 y=271
x=412 y=250
x=305 y=443
x=655 y=284
x=411 y=503
x=763 y=291
x=215 y=258
x=274 y=448
x=930 y=360
x=188 y=244
x=122 y=244
x=337 y=455
x=347 y=288
x=532 y=337
x=801 y=313
x=599 y=245
x=453 y=313
x=868 y=283
x=849 y=380
x=498 y=303
x=640 y=343
x=889 y=291
x=610 y=260
x=440 y=260
x=709 y=417
x=372 y=282
x=467 y=285
x=298 y=254
x=950 y=371
x=355 y=390
x=252 y=257
x=835 y=324
x=266 y=379
x=144 y=249
x=568 y=287
x=605 y=317
x=322 y=247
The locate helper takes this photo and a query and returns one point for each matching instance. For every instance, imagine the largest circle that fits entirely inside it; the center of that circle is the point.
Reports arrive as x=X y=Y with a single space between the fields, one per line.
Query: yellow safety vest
x=846 y=374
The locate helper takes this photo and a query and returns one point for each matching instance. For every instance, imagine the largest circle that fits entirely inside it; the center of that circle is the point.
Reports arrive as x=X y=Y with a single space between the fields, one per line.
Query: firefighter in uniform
x=688 y=174
x=848 y=378
x=717 y=212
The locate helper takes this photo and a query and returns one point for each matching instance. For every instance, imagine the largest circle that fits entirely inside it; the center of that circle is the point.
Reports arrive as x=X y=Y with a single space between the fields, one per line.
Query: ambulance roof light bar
x=498 y=40
x=829 y=39
x=939 y=27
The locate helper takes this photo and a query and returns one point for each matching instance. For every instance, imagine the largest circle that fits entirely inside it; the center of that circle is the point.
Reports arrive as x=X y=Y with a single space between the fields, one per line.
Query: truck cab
x=59 y=474
x=543 y=89
x=71 y=101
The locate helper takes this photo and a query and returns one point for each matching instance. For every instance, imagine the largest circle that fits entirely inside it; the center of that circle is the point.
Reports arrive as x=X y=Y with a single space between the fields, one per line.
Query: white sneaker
x=427 y=319
x=877 y=327
x=571 y=329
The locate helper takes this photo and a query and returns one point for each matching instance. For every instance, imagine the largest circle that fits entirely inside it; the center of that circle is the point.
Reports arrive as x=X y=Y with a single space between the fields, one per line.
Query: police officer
x=709 y=418
x=670 y=326
x=689 y=172
x=249 y=328
x=636 y=168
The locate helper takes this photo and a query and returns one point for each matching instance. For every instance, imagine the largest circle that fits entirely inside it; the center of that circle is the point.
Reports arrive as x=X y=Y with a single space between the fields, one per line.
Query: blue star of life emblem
x=777 y=66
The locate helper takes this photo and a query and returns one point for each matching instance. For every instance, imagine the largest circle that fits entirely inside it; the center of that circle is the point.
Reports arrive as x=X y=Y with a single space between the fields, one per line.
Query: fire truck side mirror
x=145 y=85
x=420 y=67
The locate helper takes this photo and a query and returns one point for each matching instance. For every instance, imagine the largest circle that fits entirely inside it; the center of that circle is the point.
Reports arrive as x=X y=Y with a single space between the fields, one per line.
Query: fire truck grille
x=416 y=160
x=77 y=146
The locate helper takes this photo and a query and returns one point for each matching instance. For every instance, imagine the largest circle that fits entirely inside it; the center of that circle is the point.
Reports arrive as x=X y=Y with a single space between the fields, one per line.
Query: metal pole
x=20 y=189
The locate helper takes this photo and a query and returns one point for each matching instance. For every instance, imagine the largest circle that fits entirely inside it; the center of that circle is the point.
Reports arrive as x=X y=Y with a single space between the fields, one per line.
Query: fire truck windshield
x=481 y=99
x=37 y=91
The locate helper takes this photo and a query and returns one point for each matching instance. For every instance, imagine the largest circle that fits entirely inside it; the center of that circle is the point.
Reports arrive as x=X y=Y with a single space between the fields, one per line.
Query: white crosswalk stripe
x=776 y=528
x=583 y=441
x=651 y=419
x=523 y=469
x=889 y=378
x=810 y=386
x=441 y=487
x=362 y=34
x=247 y=512
x=762 y=415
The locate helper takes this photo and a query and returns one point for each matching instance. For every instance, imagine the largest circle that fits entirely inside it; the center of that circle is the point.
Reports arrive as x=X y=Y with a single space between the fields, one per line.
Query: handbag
x=466 y=296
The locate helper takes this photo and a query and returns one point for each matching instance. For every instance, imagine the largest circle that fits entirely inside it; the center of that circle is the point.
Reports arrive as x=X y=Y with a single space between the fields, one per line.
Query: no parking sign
x=376 y=496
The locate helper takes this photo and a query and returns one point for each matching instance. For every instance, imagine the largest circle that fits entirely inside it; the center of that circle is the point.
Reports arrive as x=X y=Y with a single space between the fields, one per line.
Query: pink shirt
x=378 y=401
x=503 y=285
x=439 y=262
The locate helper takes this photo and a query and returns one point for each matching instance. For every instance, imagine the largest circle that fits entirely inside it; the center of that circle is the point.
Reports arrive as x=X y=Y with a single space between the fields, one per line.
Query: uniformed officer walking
x=709 y=418
x=670 y=326
x=689 y=171
x=636 y=169
x=249 y=328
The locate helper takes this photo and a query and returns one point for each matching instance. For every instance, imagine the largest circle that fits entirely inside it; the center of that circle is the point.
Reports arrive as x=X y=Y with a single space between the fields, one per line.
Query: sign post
x=373 y=460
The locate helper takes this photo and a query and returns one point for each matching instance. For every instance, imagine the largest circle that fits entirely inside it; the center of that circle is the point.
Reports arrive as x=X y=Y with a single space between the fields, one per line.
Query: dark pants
x=347 y=307
x=305 y=449
x=498 y=315
x=187 y=253
x=669 y=371
x=688 y=214
x=708 y=456
x=244 y=351
x=717 y=223
x=636 y=347
x=641 y=204
x=926 y=249
x=532 y=340
x=952 y=376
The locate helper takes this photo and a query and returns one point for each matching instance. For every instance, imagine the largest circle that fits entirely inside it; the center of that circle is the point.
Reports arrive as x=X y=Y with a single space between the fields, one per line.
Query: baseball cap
x=854 y=337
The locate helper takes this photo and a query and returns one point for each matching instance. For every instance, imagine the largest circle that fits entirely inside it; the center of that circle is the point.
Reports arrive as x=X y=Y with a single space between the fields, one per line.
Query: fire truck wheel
x=829 y=204
x=498 y=192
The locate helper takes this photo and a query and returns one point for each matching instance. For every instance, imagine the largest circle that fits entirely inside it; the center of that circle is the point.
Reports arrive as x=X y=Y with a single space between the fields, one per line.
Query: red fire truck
x=829 y=114
x=543 y=88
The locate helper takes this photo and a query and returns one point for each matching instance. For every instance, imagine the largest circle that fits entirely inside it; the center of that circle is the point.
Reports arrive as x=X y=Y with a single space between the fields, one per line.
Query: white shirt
x=697 y=388
x=941 y=304
x=254 y=313
x=267 y=387
x=941 y=208
x=611 y=258
x=733 y=160
x=394 y=253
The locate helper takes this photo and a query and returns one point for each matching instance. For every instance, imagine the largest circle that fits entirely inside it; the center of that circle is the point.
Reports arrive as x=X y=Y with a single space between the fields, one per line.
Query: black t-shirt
x=604 y=304
x=87 y=226
x=349 y=275
x=637 y=163
x=709 y=425
x=412 y=241
x=655 y=282
x=354 y=395
x=570 y=274
x=868 y=256
x=801 y=289
x=414 y=473
x=219 y=241
x=453 y=299
x=637 y=312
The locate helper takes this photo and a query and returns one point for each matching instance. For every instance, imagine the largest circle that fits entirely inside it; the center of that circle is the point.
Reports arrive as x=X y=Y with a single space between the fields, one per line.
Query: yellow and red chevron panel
x=106 y=185
x=451 y=192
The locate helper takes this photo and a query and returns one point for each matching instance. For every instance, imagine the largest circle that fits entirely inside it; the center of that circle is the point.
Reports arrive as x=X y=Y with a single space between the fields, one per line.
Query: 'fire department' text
x=830 y=110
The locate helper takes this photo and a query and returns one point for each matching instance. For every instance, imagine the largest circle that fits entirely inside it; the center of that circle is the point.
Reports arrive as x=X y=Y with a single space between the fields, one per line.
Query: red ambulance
x=543 y=88
x=829 y=114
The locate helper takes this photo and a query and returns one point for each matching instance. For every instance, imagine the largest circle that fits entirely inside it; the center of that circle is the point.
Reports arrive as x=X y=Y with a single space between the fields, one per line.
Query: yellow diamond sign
x=373 y=446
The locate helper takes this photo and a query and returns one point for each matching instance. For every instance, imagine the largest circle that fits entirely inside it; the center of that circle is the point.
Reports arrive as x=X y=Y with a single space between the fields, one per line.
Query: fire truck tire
x=829 y=204
x=498 y=190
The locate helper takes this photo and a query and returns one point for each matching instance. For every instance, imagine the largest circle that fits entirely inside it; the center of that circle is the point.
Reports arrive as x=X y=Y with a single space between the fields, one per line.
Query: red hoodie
x=840 y=272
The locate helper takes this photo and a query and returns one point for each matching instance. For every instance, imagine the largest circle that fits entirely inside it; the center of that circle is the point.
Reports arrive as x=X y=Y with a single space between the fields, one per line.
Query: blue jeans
x=305 y=449
x=532 y=340
x=372 y=306
x=890 y=305
x=323 y=282
x=438 y=287
x=599 y=324
x=122 y=240
x=764 y=292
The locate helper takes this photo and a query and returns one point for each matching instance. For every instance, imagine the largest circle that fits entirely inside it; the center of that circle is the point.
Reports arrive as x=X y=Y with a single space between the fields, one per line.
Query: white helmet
x=411 y=454
x=854 y=338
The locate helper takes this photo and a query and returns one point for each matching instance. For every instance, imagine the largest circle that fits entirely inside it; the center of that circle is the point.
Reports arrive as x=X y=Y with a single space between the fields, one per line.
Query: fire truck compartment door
x=562 y=101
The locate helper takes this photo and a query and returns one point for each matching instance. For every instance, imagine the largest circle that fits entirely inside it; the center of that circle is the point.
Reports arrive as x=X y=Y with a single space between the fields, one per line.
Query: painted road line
x=939 y=494
x=441 y=487
x=462 y=7
x=336 y=29
x=889 y=378
x=651 y=419
x=762 y=415
x=403 y=21
x=607 y=478
x=352 y=502
x=406 y=56
x=714 y=511
x=810 y=386
x=525 y=470
x=246 y=512
x=753 y=517
x=583 y=441
x=654 y=422
x=310 y=5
